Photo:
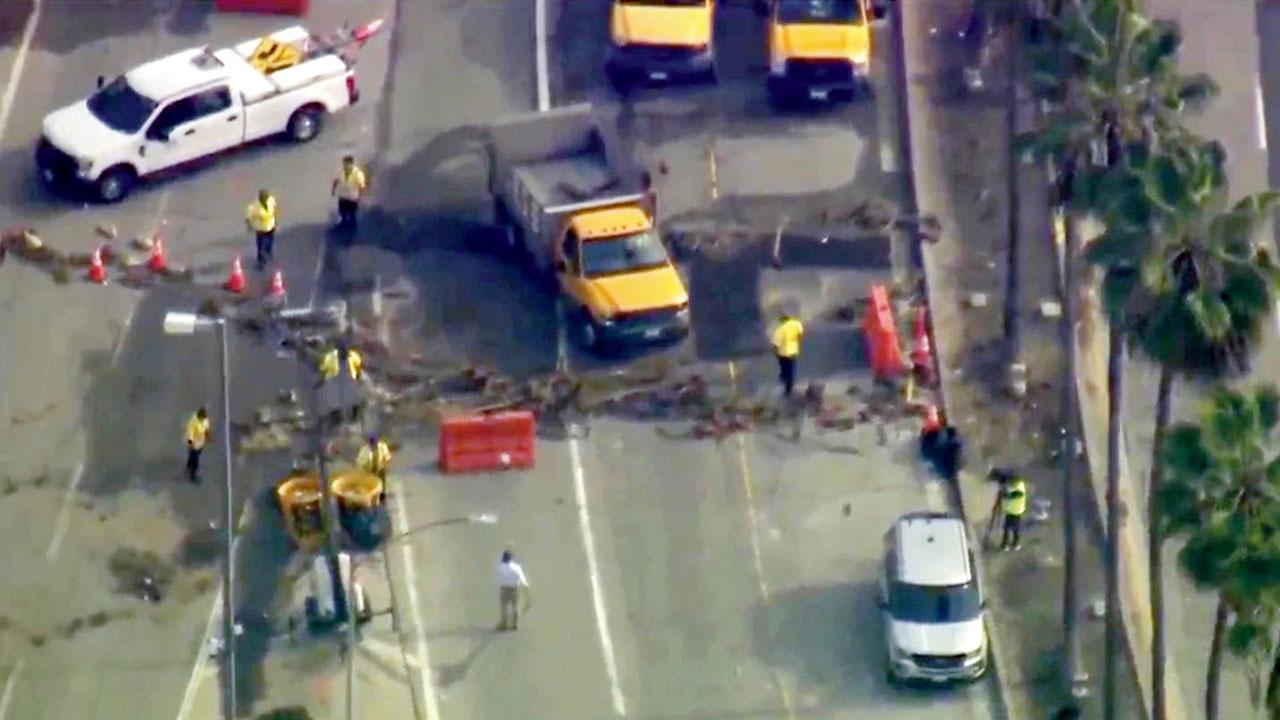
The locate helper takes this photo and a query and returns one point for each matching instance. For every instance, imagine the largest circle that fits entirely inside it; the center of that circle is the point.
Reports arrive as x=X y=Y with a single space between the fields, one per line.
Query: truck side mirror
x=879 y=8
x=101 y=81
x=159 y=133
x=562 y=266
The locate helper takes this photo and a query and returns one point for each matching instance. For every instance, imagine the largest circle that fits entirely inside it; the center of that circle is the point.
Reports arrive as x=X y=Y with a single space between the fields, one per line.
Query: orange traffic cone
x=235 y=281
x=277 y=285
x=922 y=353
x=158 y=263
x=932 y=420
x=97 y=271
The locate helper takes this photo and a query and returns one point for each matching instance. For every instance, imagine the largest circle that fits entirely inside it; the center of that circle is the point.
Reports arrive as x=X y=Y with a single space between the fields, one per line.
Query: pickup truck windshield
x=818 y=11
x=121 y=108
x=934 y=603
x=625 y=253
x=679 y=3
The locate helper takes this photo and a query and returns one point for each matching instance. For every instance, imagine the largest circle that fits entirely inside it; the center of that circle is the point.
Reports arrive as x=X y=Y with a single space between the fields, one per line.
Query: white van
x=931 y=602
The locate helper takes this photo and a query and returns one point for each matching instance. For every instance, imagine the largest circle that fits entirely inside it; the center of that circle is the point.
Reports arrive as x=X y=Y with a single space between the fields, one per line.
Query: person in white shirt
x=511 y=580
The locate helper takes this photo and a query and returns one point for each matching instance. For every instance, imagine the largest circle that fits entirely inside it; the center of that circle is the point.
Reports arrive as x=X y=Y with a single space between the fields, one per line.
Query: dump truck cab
x=660 y=40
x=819 y=49
x=299 y=498
x=612 y=265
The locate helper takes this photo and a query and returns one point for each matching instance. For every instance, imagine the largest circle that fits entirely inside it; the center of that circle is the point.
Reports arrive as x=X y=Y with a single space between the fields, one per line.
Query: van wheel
x=304 y=124
x=115 y=184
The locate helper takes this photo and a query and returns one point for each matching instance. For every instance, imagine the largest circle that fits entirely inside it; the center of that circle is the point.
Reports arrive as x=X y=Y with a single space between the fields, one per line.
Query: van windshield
x=120 y=107
x=818 y=11
x=934 y=603
x=625 y=253
x=680 y=3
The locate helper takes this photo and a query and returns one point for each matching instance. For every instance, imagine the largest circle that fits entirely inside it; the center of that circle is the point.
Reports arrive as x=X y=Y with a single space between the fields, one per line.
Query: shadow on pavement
x=263 y=596
x=70 y=24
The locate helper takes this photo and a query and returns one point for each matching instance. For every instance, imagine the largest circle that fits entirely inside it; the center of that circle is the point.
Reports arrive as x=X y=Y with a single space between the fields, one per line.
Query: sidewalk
x=959 y=160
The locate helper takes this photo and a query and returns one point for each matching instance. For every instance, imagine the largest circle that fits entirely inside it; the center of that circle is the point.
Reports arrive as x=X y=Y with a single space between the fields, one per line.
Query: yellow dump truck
x=576 y=210
x=659 y=40
x=819 y=49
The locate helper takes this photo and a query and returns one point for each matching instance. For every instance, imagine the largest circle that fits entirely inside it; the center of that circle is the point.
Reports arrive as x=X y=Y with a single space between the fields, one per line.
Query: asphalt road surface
x=92 y=396
x=672 y=578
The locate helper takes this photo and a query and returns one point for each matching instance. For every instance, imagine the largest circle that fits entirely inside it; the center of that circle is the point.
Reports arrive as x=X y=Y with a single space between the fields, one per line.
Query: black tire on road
x=115 y=184
x=305 y=124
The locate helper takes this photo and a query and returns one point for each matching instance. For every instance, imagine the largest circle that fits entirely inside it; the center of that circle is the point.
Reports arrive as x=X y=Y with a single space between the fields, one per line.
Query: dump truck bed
x=547 y=164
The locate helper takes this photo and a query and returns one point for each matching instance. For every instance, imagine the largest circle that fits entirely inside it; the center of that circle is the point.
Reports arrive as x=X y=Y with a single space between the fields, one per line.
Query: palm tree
x=1222 y=492
x=1197 y=293
x=1110 y=76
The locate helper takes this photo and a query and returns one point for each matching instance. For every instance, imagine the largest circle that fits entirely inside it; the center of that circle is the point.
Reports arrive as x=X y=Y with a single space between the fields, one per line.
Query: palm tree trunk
x=1155 y=546
x=1115 y=404
x=1070 y=429
x=1214 y=677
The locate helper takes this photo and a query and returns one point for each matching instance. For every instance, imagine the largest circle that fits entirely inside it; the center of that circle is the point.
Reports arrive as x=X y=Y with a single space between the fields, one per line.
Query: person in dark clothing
x=943 y=448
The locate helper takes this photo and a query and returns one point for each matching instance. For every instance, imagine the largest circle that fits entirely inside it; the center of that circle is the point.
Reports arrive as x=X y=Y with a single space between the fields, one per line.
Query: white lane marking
x=64 y=513
x=593 y=571
x=19 y=61
x=540 y=59
x=9 y=686
x=562 y=339
x=1260 y=110
x=202 y=659
x=124 y=334
x=401 y=522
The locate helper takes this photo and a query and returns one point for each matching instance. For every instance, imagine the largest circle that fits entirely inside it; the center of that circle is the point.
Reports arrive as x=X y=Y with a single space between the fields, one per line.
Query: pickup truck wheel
x=304 y=124
x=115 y=184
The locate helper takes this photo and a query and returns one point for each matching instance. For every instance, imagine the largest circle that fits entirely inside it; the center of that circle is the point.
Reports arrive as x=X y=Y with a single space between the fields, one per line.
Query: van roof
x=933 y=550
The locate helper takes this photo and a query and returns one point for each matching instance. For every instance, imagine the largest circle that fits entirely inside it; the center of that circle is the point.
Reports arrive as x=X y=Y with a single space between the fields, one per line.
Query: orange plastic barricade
x=492 y=441
x=273 y=7
x=882 y=337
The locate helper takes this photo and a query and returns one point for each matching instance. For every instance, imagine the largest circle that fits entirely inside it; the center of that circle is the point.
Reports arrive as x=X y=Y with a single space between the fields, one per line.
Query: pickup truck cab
x=194 y=104
x=819 y=50
x=658 y=40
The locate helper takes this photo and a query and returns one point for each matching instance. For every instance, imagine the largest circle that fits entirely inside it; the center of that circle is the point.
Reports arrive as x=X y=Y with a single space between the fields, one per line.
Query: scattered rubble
x=141 y=573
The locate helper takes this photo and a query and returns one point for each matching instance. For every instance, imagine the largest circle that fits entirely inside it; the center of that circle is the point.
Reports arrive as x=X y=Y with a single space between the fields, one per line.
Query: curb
x=998 y=661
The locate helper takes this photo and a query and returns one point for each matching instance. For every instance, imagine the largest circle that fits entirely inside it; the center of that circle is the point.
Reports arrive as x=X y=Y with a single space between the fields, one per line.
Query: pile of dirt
x=287 y=713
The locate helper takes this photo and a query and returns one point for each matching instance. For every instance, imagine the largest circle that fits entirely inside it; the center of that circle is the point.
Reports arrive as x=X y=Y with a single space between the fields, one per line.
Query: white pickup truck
x=193 y=104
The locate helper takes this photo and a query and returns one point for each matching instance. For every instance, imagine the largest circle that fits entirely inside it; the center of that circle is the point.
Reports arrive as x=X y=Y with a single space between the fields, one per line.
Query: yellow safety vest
x=351 y=185
x=1014 y=498
x=197 y=432
x=262 y=218
x=786 y=338
x=329 y=364
x=376 y=461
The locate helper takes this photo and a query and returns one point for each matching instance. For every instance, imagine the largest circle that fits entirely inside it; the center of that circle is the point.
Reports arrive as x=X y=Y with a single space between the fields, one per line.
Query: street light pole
x=182 y=323
x=228 y=574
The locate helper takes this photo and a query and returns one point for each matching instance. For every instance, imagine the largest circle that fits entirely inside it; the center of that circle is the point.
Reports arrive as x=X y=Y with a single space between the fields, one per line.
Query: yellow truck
x=819 y=49
x=659 y=40
x=576 y=210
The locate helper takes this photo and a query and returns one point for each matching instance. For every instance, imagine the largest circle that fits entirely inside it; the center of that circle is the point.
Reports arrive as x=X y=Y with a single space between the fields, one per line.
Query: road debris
x=141 y=573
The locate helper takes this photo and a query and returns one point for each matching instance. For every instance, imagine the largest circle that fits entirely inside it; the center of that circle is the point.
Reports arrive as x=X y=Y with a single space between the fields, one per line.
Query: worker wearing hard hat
x=341 y=372
x=375 y=457
x=349 y=188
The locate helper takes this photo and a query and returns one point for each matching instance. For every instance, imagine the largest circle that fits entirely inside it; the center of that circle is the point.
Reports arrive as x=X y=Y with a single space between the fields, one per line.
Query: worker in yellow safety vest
x=1013 y=503
x=341 y=370
x=786 y=344
x=260 y=216
x=375 y=457
x=336 y=358
x=197 y=435
x=349 y=187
